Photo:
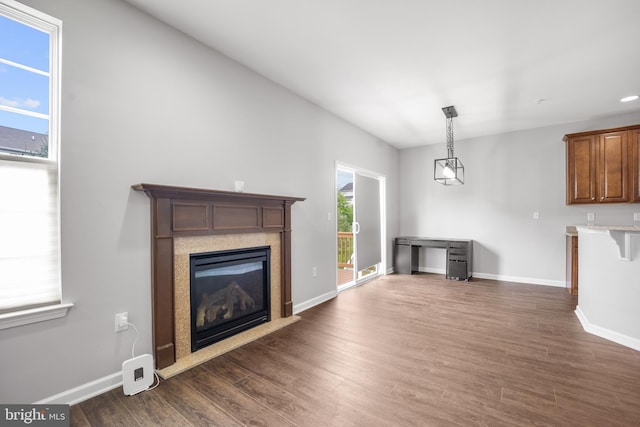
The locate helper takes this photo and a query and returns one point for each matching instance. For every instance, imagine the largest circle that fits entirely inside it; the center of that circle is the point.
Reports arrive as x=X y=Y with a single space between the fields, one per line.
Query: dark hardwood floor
x=402 y=351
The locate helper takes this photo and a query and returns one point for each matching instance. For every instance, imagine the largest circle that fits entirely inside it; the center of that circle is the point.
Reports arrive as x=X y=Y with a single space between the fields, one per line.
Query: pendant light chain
x=450 y=137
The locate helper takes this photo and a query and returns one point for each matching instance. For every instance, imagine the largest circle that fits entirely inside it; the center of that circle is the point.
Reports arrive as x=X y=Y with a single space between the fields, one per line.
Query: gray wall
x=507 y=178
x=142 y=102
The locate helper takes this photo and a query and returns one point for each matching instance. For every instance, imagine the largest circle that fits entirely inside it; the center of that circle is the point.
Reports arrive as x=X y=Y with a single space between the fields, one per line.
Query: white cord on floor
x=151 y=387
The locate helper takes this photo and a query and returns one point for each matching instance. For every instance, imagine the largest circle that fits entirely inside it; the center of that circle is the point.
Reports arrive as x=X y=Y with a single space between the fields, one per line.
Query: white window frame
x=28 y=16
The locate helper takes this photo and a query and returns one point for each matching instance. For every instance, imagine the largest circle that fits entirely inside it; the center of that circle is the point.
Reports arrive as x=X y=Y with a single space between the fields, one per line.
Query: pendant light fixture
x=450 y=170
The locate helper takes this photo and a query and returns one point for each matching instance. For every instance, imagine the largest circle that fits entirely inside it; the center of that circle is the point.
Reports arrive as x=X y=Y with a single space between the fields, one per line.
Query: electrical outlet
x=314 y=272
x=636 y=216
x=536 y=215
x=122 y=320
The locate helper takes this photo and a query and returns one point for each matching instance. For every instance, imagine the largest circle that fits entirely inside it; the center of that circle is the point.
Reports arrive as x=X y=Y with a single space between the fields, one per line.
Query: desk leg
x=406 y=261
x=446 y=273
x=414 y=259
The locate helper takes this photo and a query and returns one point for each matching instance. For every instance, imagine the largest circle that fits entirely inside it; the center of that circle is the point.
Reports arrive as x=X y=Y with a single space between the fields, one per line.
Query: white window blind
x=367 y=212
x=29 y=246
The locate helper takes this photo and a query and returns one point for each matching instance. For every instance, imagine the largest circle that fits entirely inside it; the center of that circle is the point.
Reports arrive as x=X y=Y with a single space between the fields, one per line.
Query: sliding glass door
x=360 y=213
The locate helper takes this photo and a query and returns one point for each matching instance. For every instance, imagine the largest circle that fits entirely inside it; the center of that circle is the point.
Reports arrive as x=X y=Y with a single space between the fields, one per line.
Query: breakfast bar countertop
x=572 y=230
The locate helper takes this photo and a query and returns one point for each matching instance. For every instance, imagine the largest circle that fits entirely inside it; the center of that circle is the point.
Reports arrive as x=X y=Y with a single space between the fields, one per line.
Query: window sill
x=34 y=315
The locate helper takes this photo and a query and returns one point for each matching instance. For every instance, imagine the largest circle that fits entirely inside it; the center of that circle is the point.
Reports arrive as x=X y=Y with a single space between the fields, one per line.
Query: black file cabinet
x=459 y=260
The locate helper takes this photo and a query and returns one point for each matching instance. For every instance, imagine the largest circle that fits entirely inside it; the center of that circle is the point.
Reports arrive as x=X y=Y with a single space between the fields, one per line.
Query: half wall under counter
x=609 y=282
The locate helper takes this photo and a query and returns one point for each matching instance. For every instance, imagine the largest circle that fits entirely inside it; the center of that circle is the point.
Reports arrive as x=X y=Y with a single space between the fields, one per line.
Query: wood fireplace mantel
x=187 y=212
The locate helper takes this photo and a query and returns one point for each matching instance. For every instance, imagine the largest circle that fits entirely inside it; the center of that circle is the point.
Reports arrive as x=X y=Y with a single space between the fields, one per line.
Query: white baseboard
x=432 y=270
x=85 y=391
x=298 y=308
x=605 y=333
x=516 y=279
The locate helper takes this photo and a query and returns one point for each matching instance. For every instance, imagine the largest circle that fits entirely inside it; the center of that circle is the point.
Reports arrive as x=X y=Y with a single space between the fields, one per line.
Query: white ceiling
x=389 y=66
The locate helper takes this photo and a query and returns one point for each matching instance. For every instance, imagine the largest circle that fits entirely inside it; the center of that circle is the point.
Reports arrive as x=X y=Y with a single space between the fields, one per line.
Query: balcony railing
x=345 y=249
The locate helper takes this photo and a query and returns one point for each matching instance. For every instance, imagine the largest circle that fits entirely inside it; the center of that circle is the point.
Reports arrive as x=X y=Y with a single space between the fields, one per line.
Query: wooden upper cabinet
x=634 y=143
x=613 y=170
x=581 y=169
x=603 y=166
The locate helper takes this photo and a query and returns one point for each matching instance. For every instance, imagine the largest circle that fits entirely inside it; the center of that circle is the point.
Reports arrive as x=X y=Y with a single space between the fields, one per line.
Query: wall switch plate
x=122 y=320
x=636 y=216
x=314 y=272
x=137 y=374
x=536 y=215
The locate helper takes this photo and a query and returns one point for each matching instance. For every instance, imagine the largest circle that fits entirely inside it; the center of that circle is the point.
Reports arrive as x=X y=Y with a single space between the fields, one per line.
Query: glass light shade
x=449 y=171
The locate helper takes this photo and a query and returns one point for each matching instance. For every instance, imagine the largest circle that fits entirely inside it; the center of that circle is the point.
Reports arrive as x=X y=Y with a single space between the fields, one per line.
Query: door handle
x=356 y=228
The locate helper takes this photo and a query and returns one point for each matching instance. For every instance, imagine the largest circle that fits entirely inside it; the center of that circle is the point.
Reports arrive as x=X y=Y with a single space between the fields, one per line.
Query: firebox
x=230 y=293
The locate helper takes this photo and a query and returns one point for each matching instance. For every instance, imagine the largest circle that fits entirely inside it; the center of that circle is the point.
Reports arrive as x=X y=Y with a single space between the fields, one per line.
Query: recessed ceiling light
x=629 y=98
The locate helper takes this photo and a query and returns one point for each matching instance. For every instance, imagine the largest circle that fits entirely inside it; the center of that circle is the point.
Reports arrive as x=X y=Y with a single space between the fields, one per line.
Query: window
x=30 y=283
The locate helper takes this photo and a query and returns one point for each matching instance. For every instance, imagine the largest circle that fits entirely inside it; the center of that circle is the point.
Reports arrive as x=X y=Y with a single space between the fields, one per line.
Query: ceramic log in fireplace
x=178 y=212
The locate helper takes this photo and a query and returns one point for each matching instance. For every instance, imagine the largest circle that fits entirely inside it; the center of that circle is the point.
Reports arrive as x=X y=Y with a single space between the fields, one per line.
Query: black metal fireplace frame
x=207 y=260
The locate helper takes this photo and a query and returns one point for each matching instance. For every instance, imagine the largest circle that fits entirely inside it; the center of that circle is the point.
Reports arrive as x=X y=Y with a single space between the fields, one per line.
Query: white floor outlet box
x=137 y=374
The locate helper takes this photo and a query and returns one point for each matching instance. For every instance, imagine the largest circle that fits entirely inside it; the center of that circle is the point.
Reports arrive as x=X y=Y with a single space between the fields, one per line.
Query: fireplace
x=187 y=221
x=230 y=293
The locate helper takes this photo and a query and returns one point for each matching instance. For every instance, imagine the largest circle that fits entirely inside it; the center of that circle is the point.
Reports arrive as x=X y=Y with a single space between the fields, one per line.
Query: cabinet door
x=581 y=169
x=634 y=140
x=613 y=165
